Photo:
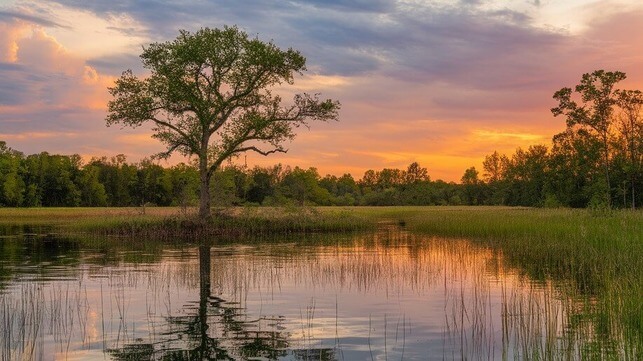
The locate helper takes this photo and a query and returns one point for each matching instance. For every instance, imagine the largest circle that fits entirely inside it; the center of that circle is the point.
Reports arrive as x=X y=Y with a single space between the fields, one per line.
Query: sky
x=442 y=83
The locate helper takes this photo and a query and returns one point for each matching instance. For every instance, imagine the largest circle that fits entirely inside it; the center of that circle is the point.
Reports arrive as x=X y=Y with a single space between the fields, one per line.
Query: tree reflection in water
x=230 y=337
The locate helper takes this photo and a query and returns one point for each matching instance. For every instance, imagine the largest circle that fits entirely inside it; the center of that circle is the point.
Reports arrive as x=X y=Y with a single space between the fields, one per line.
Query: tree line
x=565 y=175
x=52 y=180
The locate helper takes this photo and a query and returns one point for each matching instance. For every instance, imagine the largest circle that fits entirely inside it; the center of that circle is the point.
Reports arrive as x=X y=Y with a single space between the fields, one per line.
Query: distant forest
x=569 y=174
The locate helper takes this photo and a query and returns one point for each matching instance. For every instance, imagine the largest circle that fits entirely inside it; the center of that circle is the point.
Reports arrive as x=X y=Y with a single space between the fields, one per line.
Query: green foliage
x=12 y=187
x=551 y=201
x=594 y=115
x=209 y=95
x=92 y=191
x=116 y=183
x=184 y=182
x=302 y=186
x=262 y=184
x=596 y=162
x=63 y=181
x=415 y=174
x=54 y=178
x=228 y=186
x=472 y=186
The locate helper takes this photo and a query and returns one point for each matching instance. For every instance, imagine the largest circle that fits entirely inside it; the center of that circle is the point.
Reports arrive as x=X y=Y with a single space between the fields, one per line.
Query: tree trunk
x=607 y=172
x=633 y=160
x=204 y=272
x=204 y=194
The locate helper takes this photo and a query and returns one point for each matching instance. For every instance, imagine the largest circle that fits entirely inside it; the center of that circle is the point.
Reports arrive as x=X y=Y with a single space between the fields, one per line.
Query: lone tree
x=209 y=95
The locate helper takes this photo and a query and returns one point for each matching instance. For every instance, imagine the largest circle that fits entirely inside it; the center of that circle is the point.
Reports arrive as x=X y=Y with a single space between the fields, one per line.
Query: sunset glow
x=443 y=83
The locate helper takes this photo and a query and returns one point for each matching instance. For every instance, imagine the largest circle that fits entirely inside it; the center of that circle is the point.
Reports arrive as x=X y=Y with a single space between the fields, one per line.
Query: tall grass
x=178 y=223
x=598 y=257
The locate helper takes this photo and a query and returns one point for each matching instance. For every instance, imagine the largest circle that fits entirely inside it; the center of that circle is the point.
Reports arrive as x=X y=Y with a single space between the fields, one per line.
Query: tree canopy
x=210 y=95
x=594 y=114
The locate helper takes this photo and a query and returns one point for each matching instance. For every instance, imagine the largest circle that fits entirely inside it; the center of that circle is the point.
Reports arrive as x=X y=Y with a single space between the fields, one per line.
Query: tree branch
x=192 y=146
x=166 y=154
x=257 y=150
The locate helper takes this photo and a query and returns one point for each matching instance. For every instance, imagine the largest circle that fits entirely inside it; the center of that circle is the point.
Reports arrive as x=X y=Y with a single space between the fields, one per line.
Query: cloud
x=46 y=89
x=428 y=42
x=439 y=82
x=8 y=15
x=117 y=63
x=483 y=44
x=10 y=32
x=42 y=72
x=369 y=6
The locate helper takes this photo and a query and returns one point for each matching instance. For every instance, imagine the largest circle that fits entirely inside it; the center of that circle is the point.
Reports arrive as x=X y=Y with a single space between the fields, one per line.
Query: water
x=389 y=295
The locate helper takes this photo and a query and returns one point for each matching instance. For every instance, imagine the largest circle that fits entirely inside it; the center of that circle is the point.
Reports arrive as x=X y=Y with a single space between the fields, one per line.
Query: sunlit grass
x=62 y=217
x=168 y=222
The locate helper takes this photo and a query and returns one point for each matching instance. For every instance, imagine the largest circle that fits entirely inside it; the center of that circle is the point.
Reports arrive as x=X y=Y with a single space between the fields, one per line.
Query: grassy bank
x=167 y=222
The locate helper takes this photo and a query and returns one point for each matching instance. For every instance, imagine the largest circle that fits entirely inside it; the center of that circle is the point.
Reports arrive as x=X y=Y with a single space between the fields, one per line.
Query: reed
x=601 y=253
x=598 y=256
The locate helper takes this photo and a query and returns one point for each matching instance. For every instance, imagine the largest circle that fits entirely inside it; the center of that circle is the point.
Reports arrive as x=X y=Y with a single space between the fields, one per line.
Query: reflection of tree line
x=51 y=255
x=540 y=316
x=239 y=338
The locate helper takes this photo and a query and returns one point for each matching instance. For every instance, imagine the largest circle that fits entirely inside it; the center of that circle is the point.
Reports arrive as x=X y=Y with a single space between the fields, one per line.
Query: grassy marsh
x=595 y=260
x=595 y=257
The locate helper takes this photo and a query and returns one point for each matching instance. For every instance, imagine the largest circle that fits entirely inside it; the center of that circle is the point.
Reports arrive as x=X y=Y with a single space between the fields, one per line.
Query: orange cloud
x=39 y=135
x=64 y=80
x=10 y=33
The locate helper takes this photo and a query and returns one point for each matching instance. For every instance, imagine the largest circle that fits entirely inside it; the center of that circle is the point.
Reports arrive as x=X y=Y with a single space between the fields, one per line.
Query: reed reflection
x=386 y=295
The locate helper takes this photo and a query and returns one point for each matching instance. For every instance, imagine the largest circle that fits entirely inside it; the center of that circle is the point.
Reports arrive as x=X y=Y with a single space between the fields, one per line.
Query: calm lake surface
x=387 y=295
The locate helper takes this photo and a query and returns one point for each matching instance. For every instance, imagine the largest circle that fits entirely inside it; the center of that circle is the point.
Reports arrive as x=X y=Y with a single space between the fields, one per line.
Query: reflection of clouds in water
x=391 y=294
x=376 y=265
